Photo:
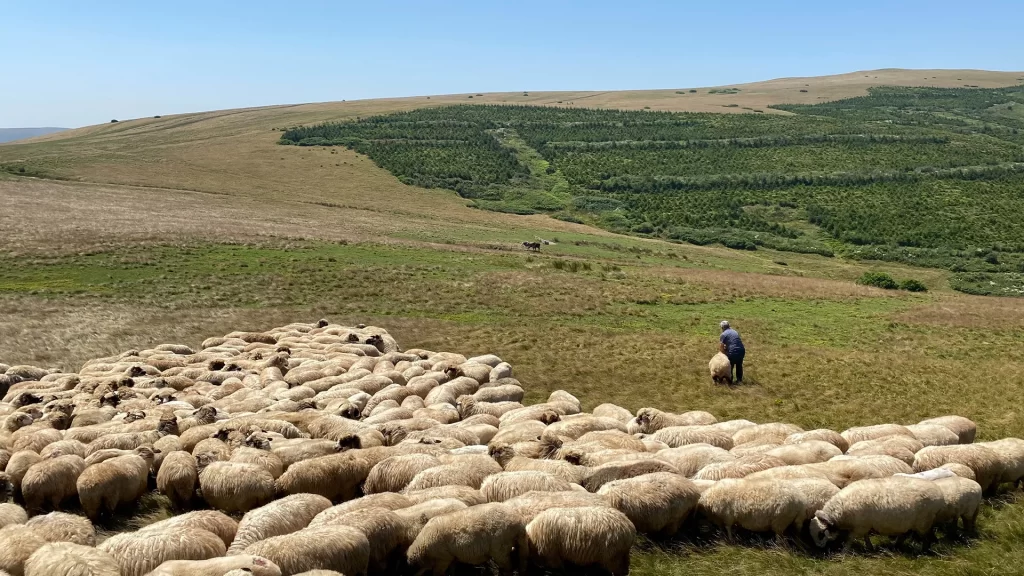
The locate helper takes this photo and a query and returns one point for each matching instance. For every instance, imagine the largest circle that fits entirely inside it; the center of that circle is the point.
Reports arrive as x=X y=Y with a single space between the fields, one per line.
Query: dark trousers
x=737 y=365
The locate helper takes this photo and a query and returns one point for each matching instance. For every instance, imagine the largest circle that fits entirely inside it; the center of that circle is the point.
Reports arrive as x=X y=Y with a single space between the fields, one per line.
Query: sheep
x=934 y=434
x=209 y=520
x=340 y=548
x=771 y=433
x=64 y=448
x=501 y=486
x=983 y=461
x=889 y=506
x=612 y=411
x=860 y=433
x=962 y=498
x=823 y=434
x=721 y=369
x=755 y=505
x=676 y=436
x=466 y=470
x=1011 y=455
x=387 y=533
x=651 y=420
x=234 y=486
x=17 y=543
x=107 y=485
x=465 y=494
x=381 y=501
x=470 y=406
x=51 y=481
x=601 y=475
x=655 y=503
x=70 y=559
x=417 y=515
x=505 y=456
x=335 y=477
x=280 y=517
x=12 y=514
x=689 y=459
x=899 y=447
x=573 y=428
x=292 y=451
x=262 y=458
x=611 y=439
x=394 y=474
x=177 y=478
x=138 y=553
x=843 y=471
x=63 y=527
x=738 y=468
x=816 y=493
x=500 y=393
x=964 y=428
x=587 y=536
x=247 y=564
x=471 y=536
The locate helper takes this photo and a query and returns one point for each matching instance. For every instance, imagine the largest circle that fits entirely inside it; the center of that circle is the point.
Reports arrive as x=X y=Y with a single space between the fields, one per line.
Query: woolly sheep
x=177 y=478
x=382 y=501
x=17 y=543
x=501 y=486
x=109 y=484
x=1011 y=455
x=584 y=537
x=335 y=477
x=340 y=548
x=209 y=520
x=861 y=433
x=63 y=527
x=983 y=461
x=721 y=369
x=573 y=428
x=284 y=516
x=51 y=481
x=465 y=494
x=559 y=468
x=689 y=459
x=471 y=536
x=605 y=473
x=738 y=468
x=676 y=436
x=899 y=447
x=18 y=466
x=247 y=564
x=755 y=505
x=417 y=516
x=387 y=533
x=731 y=427
x=962 y=498
x=234 y=486
x=823 y=434
x=771 y=433
x=655 y=503
x=888 y=506
x=262 y=458
x=651 y=420
x=964 y=428
x=69 y=559
x=138 y=553
x=613 y=411
x=612 y=439
x=934 y=434
x=12 y=514
x=469 y=470
x=815 y=491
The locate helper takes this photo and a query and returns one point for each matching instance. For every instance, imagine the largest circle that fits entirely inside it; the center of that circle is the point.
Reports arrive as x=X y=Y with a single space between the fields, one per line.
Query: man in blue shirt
x=732 y=346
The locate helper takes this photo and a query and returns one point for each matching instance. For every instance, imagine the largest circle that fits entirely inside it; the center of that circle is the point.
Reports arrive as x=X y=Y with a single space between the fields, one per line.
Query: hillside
x=12 y=134
x=125 y=235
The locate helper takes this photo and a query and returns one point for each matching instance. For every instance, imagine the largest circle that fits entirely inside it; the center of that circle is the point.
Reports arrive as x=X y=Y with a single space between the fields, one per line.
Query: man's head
x=724 y=325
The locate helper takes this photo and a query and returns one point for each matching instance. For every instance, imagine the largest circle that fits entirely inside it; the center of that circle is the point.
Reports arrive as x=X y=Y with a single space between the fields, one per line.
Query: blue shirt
x=733 y=344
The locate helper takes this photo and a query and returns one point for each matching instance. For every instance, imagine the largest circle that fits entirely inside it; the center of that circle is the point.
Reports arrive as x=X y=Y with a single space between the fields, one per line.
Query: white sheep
x=247 y=564
x=889 y=506
x=284 y=516
x=655 y=503
x=138 y=553
x=339 y=548
x=51 y=481
x=471 y=536
x=64 y=527
x=502 y=486
x=235 y=486
x=584 y=537
x=105 y=486
x=689 y=459
x=985 y=462
x=68 y=559
x=755 y=505
x=651 y=420
x=721 y=369
x=964 y=428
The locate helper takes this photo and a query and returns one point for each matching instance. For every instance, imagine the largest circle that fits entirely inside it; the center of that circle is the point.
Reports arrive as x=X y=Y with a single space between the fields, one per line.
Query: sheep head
x=26 y=399
x=501 y=453
x=322 y=323
x=349 y=442
x=822 y=529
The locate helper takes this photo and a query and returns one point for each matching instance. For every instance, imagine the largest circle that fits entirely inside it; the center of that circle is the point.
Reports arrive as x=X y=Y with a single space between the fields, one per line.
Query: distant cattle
x=534 y=246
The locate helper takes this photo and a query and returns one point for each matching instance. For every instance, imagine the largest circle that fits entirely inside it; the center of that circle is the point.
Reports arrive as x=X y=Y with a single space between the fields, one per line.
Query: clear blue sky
x=78 y=63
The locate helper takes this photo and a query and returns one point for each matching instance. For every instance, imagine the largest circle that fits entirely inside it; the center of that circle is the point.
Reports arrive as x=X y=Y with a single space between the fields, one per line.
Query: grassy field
x=179 y=228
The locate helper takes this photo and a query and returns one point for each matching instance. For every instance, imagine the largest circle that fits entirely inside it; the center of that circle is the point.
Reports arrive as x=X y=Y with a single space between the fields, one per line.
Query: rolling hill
x=169 y=229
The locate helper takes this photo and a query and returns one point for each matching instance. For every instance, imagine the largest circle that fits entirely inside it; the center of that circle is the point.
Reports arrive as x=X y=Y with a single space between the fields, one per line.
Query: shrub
x=571 y=265
x=911 y=285
x=878 y=280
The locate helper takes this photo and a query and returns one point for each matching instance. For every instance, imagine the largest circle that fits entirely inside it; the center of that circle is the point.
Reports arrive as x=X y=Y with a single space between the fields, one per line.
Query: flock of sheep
x=322 y=449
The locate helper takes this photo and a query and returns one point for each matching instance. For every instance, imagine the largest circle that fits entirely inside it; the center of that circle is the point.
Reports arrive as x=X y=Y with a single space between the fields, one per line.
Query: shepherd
x=731 y=345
